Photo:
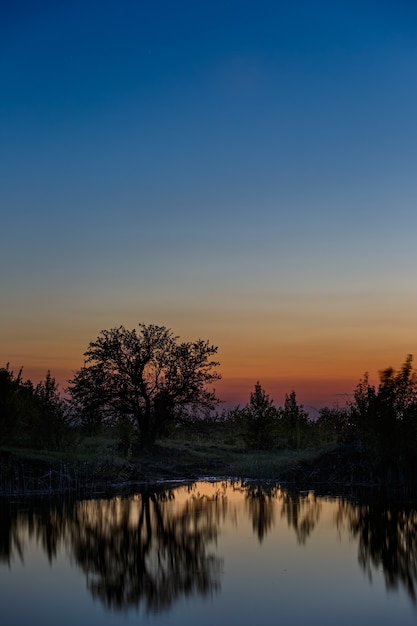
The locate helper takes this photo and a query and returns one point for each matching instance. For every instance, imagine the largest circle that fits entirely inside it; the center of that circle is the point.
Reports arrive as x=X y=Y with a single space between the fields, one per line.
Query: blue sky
x=240 y=171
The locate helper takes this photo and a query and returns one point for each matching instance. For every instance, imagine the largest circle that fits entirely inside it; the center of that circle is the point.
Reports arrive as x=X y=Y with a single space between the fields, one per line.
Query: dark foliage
x=31 y=415
x=259 y=419
x=384 y=422
x=333 y=425
x=295 y=424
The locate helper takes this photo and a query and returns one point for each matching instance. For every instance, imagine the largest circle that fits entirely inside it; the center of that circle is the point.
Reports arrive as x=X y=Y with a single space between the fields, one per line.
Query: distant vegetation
x=142 y=386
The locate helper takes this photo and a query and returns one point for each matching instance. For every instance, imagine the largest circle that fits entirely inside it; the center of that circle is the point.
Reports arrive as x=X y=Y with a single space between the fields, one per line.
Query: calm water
x=208 y=553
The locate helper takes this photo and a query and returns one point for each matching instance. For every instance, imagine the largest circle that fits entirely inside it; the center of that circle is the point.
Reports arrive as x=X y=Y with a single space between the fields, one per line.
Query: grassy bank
x=96 y=463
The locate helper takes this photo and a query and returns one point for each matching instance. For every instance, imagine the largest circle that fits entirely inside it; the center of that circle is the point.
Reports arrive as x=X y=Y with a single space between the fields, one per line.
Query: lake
x=208 y=553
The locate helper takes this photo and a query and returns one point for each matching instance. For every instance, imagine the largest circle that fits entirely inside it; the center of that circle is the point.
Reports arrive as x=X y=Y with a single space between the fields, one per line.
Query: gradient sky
x=243 y=172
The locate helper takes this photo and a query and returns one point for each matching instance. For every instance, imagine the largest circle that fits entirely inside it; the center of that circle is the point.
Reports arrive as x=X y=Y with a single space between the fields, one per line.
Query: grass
x=96 y=461
x=173 y=458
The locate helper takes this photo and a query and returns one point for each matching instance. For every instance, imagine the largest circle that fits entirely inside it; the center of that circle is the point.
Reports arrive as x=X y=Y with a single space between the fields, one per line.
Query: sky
x=242 y=172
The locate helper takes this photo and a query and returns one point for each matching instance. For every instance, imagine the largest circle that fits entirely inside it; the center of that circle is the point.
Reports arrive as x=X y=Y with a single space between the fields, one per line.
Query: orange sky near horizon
x=321 y=361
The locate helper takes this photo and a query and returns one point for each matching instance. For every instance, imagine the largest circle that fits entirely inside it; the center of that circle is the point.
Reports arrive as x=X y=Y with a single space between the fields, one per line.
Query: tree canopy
x=145 y=375
x=31 y=414
x=385 y=417
x=260 y=418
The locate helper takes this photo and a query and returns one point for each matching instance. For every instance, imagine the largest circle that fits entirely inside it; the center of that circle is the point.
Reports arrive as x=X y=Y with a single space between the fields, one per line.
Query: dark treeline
x=141 y=386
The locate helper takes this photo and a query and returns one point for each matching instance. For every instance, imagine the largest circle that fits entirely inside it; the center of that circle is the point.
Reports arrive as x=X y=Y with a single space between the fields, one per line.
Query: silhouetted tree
x=11 y=401
x=332 y=424
x=31 y=415
x=51 y=428
x=260 y=420
x=385 y=420
x=295 y=422
x=146 y=376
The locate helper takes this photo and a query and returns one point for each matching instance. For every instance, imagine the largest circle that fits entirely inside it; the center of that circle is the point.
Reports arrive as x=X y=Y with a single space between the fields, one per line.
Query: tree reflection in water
x=387 y=537
x=150 y=549
x=144 y=550
x=302 y=511
x=141 y=550
x=261 y=504
x=10 y=537
x=46 y=524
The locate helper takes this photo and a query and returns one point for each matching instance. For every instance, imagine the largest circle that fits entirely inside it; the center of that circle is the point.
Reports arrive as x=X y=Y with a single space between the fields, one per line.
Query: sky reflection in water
x=208 y=553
